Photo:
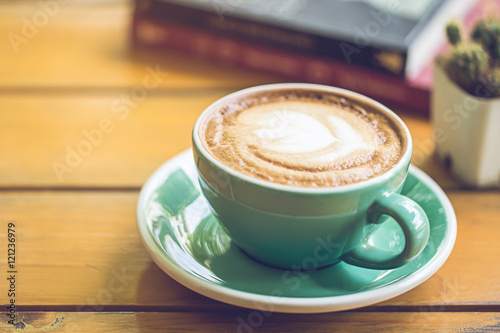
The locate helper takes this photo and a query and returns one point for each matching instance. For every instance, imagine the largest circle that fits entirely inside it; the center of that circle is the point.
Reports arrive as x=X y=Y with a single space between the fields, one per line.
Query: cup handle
x=414 y=223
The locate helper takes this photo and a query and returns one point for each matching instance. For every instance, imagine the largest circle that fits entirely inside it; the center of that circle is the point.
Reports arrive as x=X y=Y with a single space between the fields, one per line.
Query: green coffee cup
x=306 y=228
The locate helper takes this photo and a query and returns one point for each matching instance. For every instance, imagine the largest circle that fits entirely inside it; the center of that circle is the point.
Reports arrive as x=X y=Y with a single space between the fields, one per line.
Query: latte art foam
x=302 y=141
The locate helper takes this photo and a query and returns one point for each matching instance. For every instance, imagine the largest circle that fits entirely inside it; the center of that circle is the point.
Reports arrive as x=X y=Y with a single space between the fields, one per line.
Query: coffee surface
x=302 y=139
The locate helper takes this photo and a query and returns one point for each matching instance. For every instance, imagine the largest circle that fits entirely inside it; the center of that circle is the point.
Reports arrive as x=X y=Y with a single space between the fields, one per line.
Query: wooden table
x=80 y=264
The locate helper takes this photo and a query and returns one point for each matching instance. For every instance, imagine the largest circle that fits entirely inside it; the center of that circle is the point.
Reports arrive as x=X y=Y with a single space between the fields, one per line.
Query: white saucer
x=184 y=239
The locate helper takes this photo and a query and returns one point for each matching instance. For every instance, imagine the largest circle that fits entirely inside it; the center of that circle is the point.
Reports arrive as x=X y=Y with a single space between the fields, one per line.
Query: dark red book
x=153 y=33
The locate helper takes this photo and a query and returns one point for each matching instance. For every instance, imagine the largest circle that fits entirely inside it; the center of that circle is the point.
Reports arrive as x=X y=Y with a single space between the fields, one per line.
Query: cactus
x=487 y=33
x=466 y=63
x=493 y=83
x=475 y=65
x=453 y=32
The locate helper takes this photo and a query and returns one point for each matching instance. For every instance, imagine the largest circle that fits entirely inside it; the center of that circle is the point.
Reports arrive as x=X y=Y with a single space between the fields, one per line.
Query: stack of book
x=380 y=48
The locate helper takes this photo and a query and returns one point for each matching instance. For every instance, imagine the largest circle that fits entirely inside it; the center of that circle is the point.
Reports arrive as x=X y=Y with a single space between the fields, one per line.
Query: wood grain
x=46 y=139
x=82 y=249
x=253 y=321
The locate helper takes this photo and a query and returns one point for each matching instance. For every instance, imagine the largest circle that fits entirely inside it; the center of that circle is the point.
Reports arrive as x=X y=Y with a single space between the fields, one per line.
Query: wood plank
x=41 y=133
x=85 y=44
x=250 y=321
x=44 y=137
x=74 y=247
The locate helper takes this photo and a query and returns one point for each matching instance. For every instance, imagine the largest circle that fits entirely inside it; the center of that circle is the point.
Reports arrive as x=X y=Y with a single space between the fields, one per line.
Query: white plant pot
x=466 y=132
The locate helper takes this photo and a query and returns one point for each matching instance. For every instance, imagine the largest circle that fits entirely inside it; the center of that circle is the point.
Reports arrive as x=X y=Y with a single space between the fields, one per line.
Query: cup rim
x=404 y=160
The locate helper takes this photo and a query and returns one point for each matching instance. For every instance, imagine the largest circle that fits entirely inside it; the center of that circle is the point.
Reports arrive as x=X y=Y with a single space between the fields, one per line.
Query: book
x=148 y=32
x=411 y=93
x=398 y=37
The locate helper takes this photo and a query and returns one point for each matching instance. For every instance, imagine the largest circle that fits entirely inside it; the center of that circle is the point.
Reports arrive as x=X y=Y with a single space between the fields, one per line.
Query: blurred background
x=84 y=83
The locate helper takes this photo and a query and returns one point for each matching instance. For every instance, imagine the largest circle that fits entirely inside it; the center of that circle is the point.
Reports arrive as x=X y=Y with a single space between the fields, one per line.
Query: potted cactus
x=465 y=106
